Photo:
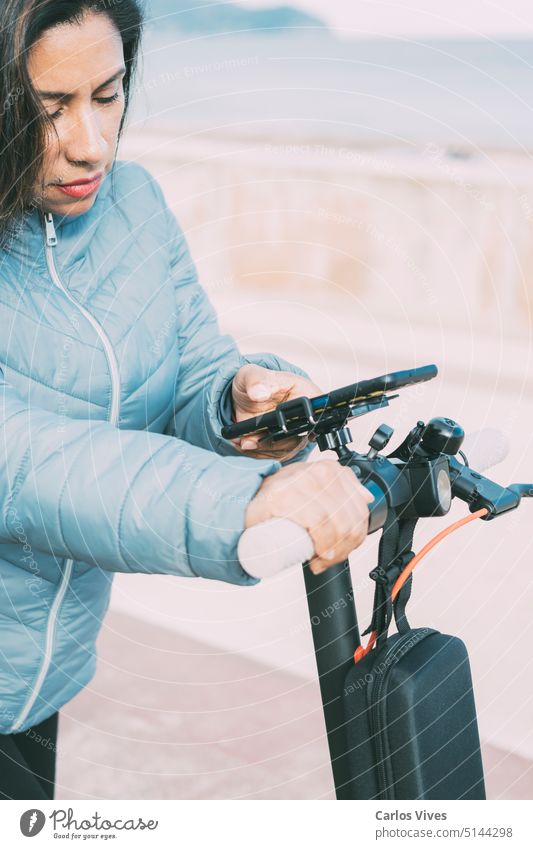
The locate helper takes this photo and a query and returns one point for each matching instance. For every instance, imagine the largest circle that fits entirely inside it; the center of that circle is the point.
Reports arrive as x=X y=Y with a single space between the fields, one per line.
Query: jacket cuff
x=226 y=512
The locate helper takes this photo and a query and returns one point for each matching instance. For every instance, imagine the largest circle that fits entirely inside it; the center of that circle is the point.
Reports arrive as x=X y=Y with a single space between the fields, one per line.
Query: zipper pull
x=51 y=238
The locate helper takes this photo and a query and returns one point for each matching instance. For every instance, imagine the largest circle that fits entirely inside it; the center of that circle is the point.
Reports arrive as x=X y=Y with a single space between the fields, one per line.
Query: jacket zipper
x=378 y=718
x=51 y=242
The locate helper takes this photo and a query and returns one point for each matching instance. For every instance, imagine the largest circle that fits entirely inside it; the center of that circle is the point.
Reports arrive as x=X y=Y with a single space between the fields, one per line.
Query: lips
x=80 y=188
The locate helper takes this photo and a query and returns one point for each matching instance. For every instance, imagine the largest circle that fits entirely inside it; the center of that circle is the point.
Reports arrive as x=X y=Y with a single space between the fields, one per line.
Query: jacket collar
x=74 y=233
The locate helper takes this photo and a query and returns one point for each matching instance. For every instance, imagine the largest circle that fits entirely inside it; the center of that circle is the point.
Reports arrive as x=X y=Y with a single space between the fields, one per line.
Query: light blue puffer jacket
x=109 y=350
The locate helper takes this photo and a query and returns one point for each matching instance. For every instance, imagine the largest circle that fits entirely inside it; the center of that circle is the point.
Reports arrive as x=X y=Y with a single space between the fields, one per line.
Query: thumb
x=257 y=382
x=259 y=391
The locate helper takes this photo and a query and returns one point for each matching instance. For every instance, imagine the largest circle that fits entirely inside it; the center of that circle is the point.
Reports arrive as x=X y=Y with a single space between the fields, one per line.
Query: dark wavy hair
x=23 y=121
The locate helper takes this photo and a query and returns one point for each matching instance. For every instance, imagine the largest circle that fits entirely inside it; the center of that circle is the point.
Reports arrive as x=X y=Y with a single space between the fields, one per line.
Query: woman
x=115 y=382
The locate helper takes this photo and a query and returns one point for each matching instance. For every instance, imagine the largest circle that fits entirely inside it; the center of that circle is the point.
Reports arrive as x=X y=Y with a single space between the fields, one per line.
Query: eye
x=107 y=99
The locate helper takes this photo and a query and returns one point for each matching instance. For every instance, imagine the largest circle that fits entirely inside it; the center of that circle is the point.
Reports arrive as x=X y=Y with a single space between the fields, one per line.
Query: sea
x=463 y=95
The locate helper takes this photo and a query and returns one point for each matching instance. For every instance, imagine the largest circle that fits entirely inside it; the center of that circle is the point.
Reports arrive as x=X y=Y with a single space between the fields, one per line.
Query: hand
x=257 y=390
x=323 y=497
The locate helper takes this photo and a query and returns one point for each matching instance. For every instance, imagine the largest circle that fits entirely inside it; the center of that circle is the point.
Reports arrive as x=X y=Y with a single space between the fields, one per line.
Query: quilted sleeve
x=123 y=500
x=208 y=359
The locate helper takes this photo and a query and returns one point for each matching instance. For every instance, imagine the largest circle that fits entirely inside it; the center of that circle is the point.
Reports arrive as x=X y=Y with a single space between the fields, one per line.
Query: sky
x=437 y=18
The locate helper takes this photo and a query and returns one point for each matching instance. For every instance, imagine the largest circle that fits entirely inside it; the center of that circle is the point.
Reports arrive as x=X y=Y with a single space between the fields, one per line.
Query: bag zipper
x=51 y=242
x=378 y=710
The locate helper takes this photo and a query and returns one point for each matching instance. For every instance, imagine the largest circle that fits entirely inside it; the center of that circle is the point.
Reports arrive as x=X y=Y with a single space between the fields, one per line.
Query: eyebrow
x=64 y=96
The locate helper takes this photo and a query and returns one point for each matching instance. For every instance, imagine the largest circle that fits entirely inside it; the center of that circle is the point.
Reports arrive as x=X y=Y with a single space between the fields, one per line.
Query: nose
x=84 y=142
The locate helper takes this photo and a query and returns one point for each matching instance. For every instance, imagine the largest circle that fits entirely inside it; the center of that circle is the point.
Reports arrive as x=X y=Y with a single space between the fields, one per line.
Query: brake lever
x=478 y=491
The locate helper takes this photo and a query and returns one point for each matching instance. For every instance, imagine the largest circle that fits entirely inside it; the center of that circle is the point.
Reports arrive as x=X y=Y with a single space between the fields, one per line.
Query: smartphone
x=358 y=393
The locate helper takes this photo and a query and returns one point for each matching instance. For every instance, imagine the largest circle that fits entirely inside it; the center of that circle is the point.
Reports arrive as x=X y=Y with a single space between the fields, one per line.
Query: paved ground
x=167 y=717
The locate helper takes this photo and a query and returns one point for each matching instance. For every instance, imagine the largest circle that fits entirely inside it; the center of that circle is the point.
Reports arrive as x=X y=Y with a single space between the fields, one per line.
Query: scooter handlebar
x=278 y=544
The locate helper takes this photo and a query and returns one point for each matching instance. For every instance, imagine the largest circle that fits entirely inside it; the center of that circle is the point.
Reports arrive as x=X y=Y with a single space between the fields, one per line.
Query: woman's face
x=77 y=71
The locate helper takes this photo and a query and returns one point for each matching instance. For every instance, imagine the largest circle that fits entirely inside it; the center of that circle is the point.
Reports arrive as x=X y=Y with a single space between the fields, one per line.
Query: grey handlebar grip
x=272 y=546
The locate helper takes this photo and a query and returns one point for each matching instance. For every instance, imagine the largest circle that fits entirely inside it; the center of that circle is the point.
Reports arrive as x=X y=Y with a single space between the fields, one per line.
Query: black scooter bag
x=411 y=720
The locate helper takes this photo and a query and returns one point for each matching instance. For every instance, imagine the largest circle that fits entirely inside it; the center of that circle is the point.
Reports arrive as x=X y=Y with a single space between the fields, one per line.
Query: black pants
x=28 y=762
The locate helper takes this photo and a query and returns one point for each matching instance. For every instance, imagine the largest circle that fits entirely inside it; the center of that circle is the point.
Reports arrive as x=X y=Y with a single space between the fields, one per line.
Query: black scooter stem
x=335 y=636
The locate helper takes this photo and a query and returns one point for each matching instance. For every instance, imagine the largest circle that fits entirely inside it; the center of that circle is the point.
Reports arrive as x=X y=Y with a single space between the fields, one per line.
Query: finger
x=249 y=444
x=268 y=385
x=322 y=532
x=335 y=552
x=321 y=564
x=346 y=528
x=283 y=448
x=341 y=550
x=260 y=383
x=273 y=454
x=367 y=495
x=260 y=391
x=265 y=396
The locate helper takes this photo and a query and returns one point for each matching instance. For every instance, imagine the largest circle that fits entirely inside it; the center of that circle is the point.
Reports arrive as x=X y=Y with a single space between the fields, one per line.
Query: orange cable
x=400 y=581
